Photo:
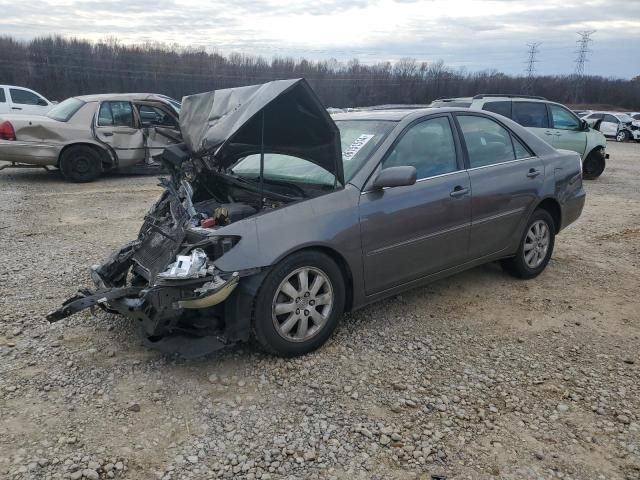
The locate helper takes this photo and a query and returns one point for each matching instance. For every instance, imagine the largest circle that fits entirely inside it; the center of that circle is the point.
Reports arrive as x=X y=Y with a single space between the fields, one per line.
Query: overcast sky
x=476 y=34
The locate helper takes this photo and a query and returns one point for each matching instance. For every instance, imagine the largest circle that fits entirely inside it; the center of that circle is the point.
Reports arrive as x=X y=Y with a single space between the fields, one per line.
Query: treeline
x=60 y=67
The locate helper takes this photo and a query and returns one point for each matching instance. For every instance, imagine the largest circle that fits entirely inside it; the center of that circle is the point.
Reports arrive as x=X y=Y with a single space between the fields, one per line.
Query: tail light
x=6 y=131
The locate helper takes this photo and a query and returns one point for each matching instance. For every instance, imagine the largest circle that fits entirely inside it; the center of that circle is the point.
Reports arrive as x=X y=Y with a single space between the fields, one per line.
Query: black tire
x=265 y=319
x=518 y=266
x=80 y=164
x=622 y=136
x=594 y=164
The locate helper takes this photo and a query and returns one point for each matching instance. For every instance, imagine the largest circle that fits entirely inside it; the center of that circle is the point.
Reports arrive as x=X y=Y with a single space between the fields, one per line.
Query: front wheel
x=594 y=164
x=622 y=136
x=536 y=247
x=299 y=304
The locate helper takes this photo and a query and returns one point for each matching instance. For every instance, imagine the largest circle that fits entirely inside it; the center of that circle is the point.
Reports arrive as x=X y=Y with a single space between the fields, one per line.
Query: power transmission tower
x=581 y=59
x=534 y=49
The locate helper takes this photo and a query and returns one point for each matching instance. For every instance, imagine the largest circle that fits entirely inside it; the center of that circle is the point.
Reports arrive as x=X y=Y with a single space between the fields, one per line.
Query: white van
x=20 y=100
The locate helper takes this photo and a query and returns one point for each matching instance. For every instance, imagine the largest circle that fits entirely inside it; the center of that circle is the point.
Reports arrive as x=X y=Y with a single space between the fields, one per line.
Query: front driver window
x=427 y=146
x=563 y=119
x=23 y=97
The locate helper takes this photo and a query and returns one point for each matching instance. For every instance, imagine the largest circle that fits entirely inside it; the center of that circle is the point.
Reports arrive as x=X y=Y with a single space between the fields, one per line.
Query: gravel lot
x=477 y=376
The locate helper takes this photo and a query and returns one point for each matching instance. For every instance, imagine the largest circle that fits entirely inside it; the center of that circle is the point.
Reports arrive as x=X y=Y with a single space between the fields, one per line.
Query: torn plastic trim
x=83 y=300
x=213 y=293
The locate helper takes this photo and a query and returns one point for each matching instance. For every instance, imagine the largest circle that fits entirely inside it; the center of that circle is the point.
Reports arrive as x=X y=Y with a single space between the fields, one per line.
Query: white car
x=20 y=100
x=622 y=126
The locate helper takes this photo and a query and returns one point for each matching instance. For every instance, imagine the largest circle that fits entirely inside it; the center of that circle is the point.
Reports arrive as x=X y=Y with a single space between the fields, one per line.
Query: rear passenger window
x=427 y=146
x=3 y=98
x=115 y=114
x=530 y=114
x=501 y=108
x=487 y=141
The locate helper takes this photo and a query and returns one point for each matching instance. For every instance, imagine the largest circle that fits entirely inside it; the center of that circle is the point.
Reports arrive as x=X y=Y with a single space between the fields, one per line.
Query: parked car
x=19 y=100
x=85 y=136
x=582 y=113
x=551 y=121
x=278 y=218
x=634 y=115
x=620 y=126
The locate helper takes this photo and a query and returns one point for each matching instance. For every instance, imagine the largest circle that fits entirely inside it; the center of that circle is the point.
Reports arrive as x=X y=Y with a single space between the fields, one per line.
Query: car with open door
x=15 y=100
x=88 y=135
x=277 y=218
x=621 y=126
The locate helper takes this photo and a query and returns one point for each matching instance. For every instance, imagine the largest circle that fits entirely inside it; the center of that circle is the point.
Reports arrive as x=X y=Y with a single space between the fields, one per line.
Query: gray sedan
x=278 y=218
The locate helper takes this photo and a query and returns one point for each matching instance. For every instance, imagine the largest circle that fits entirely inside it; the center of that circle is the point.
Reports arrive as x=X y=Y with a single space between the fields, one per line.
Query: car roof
x=396 y=115
x=121 y=96
x=392 y=114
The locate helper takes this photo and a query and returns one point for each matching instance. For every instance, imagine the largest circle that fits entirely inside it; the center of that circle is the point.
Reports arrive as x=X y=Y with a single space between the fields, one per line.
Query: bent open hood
x=228 y=124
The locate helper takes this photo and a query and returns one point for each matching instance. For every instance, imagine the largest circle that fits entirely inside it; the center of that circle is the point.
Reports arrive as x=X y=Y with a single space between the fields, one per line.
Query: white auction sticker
x=355 y=147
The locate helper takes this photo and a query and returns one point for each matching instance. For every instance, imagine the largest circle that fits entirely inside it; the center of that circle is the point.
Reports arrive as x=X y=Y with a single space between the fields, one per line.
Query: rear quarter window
x=501 y=108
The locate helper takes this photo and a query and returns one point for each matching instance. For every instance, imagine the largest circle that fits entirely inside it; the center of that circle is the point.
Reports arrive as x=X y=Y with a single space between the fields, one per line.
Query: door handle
x=459 y=191
x=16 y=108
x=533 y=173
x=108 y=134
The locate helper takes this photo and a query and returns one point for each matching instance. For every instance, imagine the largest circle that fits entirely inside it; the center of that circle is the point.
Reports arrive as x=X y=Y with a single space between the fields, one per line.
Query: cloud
x=476 y=34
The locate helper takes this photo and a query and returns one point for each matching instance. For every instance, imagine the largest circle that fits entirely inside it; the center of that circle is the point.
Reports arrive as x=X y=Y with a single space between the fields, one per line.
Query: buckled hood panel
x=228 y=124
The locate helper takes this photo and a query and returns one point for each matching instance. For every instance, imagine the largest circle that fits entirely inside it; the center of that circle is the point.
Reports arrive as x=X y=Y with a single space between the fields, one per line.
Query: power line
x=582 y=52
x=533 y=50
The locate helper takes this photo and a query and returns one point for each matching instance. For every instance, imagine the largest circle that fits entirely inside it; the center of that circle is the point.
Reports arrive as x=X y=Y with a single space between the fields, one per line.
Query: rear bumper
x=29 y=152
x=572 y=208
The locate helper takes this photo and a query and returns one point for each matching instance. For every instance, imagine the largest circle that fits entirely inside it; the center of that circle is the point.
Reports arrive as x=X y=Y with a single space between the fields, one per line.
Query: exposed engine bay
x=166 y=280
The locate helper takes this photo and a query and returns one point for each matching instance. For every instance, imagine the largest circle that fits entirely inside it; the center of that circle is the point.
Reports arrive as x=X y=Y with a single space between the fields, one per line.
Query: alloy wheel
x=536 y=244
x=302 y=304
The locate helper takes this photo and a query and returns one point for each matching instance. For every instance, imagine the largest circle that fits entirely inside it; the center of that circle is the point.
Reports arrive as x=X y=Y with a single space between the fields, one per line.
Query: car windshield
x=359 y=138
x=65 y=110
x=624 y=117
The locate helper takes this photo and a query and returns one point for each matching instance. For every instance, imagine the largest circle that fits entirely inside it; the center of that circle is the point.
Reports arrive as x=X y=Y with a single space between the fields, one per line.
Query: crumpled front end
x=165 y=280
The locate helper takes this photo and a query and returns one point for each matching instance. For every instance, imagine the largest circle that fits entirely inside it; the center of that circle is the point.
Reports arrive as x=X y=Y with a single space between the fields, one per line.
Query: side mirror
x=395 y=177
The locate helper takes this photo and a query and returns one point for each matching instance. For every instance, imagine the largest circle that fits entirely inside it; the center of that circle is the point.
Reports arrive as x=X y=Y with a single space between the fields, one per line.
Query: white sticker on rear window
x=355 y=147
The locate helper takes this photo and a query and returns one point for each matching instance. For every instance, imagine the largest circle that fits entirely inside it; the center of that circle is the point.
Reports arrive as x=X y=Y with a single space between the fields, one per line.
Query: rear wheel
x=536 y=247
x=299 y=304
x=594 y=164
x=80 y=164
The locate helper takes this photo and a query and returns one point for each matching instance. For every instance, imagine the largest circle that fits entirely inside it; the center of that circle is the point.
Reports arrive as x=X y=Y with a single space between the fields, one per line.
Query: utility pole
x=531 y=67
x=581 y=59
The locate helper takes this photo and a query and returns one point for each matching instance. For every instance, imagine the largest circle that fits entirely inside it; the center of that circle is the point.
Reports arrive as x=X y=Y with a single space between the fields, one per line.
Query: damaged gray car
x=277 y=218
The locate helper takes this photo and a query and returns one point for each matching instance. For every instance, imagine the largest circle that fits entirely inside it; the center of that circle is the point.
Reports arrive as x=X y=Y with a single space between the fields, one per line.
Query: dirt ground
x=476 y=376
